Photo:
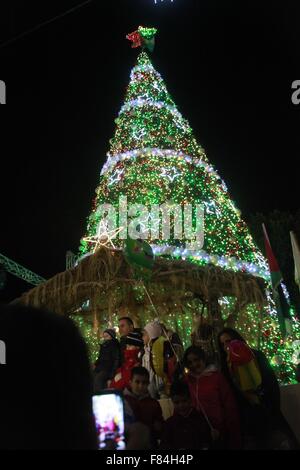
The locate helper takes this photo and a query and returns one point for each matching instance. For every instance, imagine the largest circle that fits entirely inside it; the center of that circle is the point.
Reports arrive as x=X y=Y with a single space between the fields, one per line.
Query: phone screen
x=108 y=410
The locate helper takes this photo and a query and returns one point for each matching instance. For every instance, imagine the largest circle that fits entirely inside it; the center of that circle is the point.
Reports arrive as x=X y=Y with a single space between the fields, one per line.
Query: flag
x=282 y=306
x=296 y=254
x=143 y=37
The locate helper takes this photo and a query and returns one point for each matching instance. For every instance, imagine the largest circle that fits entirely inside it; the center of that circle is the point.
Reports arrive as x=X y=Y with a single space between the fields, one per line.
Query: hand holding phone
x=108 y=411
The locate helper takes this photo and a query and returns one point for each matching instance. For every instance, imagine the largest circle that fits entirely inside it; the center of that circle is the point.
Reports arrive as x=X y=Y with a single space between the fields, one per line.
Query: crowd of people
x=230 y=403
x=47 y=385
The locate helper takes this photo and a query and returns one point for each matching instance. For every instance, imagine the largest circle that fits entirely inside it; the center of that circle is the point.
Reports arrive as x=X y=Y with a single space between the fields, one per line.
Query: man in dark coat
x=126 y=327
x=108 y=361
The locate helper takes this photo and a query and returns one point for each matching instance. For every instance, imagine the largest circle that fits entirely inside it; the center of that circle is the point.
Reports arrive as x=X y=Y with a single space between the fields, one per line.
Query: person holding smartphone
x=108 y=411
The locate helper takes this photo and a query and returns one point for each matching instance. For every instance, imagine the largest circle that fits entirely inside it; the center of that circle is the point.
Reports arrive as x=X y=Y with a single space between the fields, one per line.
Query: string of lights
x=153 y=158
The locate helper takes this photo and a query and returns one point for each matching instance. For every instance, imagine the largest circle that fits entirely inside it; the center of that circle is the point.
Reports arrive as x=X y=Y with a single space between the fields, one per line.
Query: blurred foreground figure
x=46 y=384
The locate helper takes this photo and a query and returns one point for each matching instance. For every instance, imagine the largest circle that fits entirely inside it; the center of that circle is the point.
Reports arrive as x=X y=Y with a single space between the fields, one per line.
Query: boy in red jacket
x=133 y=346
x=146 y=410
x=187 y=428
x=212 y=395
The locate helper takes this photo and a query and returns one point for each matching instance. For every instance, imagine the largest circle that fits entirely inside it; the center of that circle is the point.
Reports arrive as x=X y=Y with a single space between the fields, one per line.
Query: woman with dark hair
x=270 y=386
x=257 y=392
x=108 y=361
x=212 y=396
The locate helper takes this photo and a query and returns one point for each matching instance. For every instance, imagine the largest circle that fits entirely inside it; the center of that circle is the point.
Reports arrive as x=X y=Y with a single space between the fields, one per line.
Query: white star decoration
x=171 y=174
x=139 y=134
x=115 y=176
x=103 y=237
x=211 y=208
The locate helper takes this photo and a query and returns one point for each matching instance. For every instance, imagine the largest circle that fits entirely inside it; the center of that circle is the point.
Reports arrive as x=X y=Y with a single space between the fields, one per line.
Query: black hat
x=111 y=332
x=134 y=339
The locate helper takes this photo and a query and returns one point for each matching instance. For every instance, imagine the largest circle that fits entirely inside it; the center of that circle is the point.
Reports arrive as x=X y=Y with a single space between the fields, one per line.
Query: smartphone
x=108 y=409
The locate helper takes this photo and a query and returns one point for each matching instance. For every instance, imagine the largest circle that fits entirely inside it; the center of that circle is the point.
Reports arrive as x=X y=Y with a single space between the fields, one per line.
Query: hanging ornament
x=139 y=252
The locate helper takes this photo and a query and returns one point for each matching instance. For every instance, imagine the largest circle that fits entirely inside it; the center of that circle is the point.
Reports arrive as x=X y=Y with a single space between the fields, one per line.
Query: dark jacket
x=270 y=387
x=123 y=343
x=122 y=348
x=191 y=432
x=261 y=420
x=271 y=398
x=109 y=358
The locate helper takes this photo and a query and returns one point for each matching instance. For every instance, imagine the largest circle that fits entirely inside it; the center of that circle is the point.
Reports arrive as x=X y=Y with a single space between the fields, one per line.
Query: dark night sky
x=229 y=66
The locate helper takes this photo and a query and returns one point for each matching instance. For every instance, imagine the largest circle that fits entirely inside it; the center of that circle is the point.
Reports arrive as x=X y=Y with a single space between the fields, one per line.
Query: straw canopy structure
x=108 y=283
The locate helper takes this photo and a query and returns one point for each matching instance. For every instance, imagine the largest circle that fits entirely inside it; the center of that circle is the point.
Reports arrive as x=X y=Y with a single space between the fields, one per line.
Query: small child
x=146 y=410
x=131 y=359
x=187 y=428
x=108 y=360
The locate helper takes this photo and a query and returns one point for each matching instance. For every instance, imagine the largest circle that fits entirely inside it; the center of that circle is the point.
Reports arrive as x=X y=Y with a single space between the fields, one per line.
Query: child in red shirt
x=131 y=359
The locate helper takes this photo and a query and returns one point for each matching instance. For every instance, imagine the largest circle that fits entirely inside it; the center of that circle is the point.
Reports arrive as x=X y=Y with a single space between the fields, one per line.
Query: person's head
x=181 y=399
x=139 y=437
x=109 y=334
x=126 y=326
x=224 y=338
x=227 y=335
x=151 y=331
x=133 y=340
x=194 y=359
x=46 y=385
x=139 y=381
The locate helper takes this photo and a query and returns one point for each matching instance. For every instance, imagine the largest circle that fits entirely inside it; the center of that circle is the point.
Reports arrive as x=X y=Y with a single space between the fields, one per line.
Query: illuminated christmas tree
x=154 y=159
